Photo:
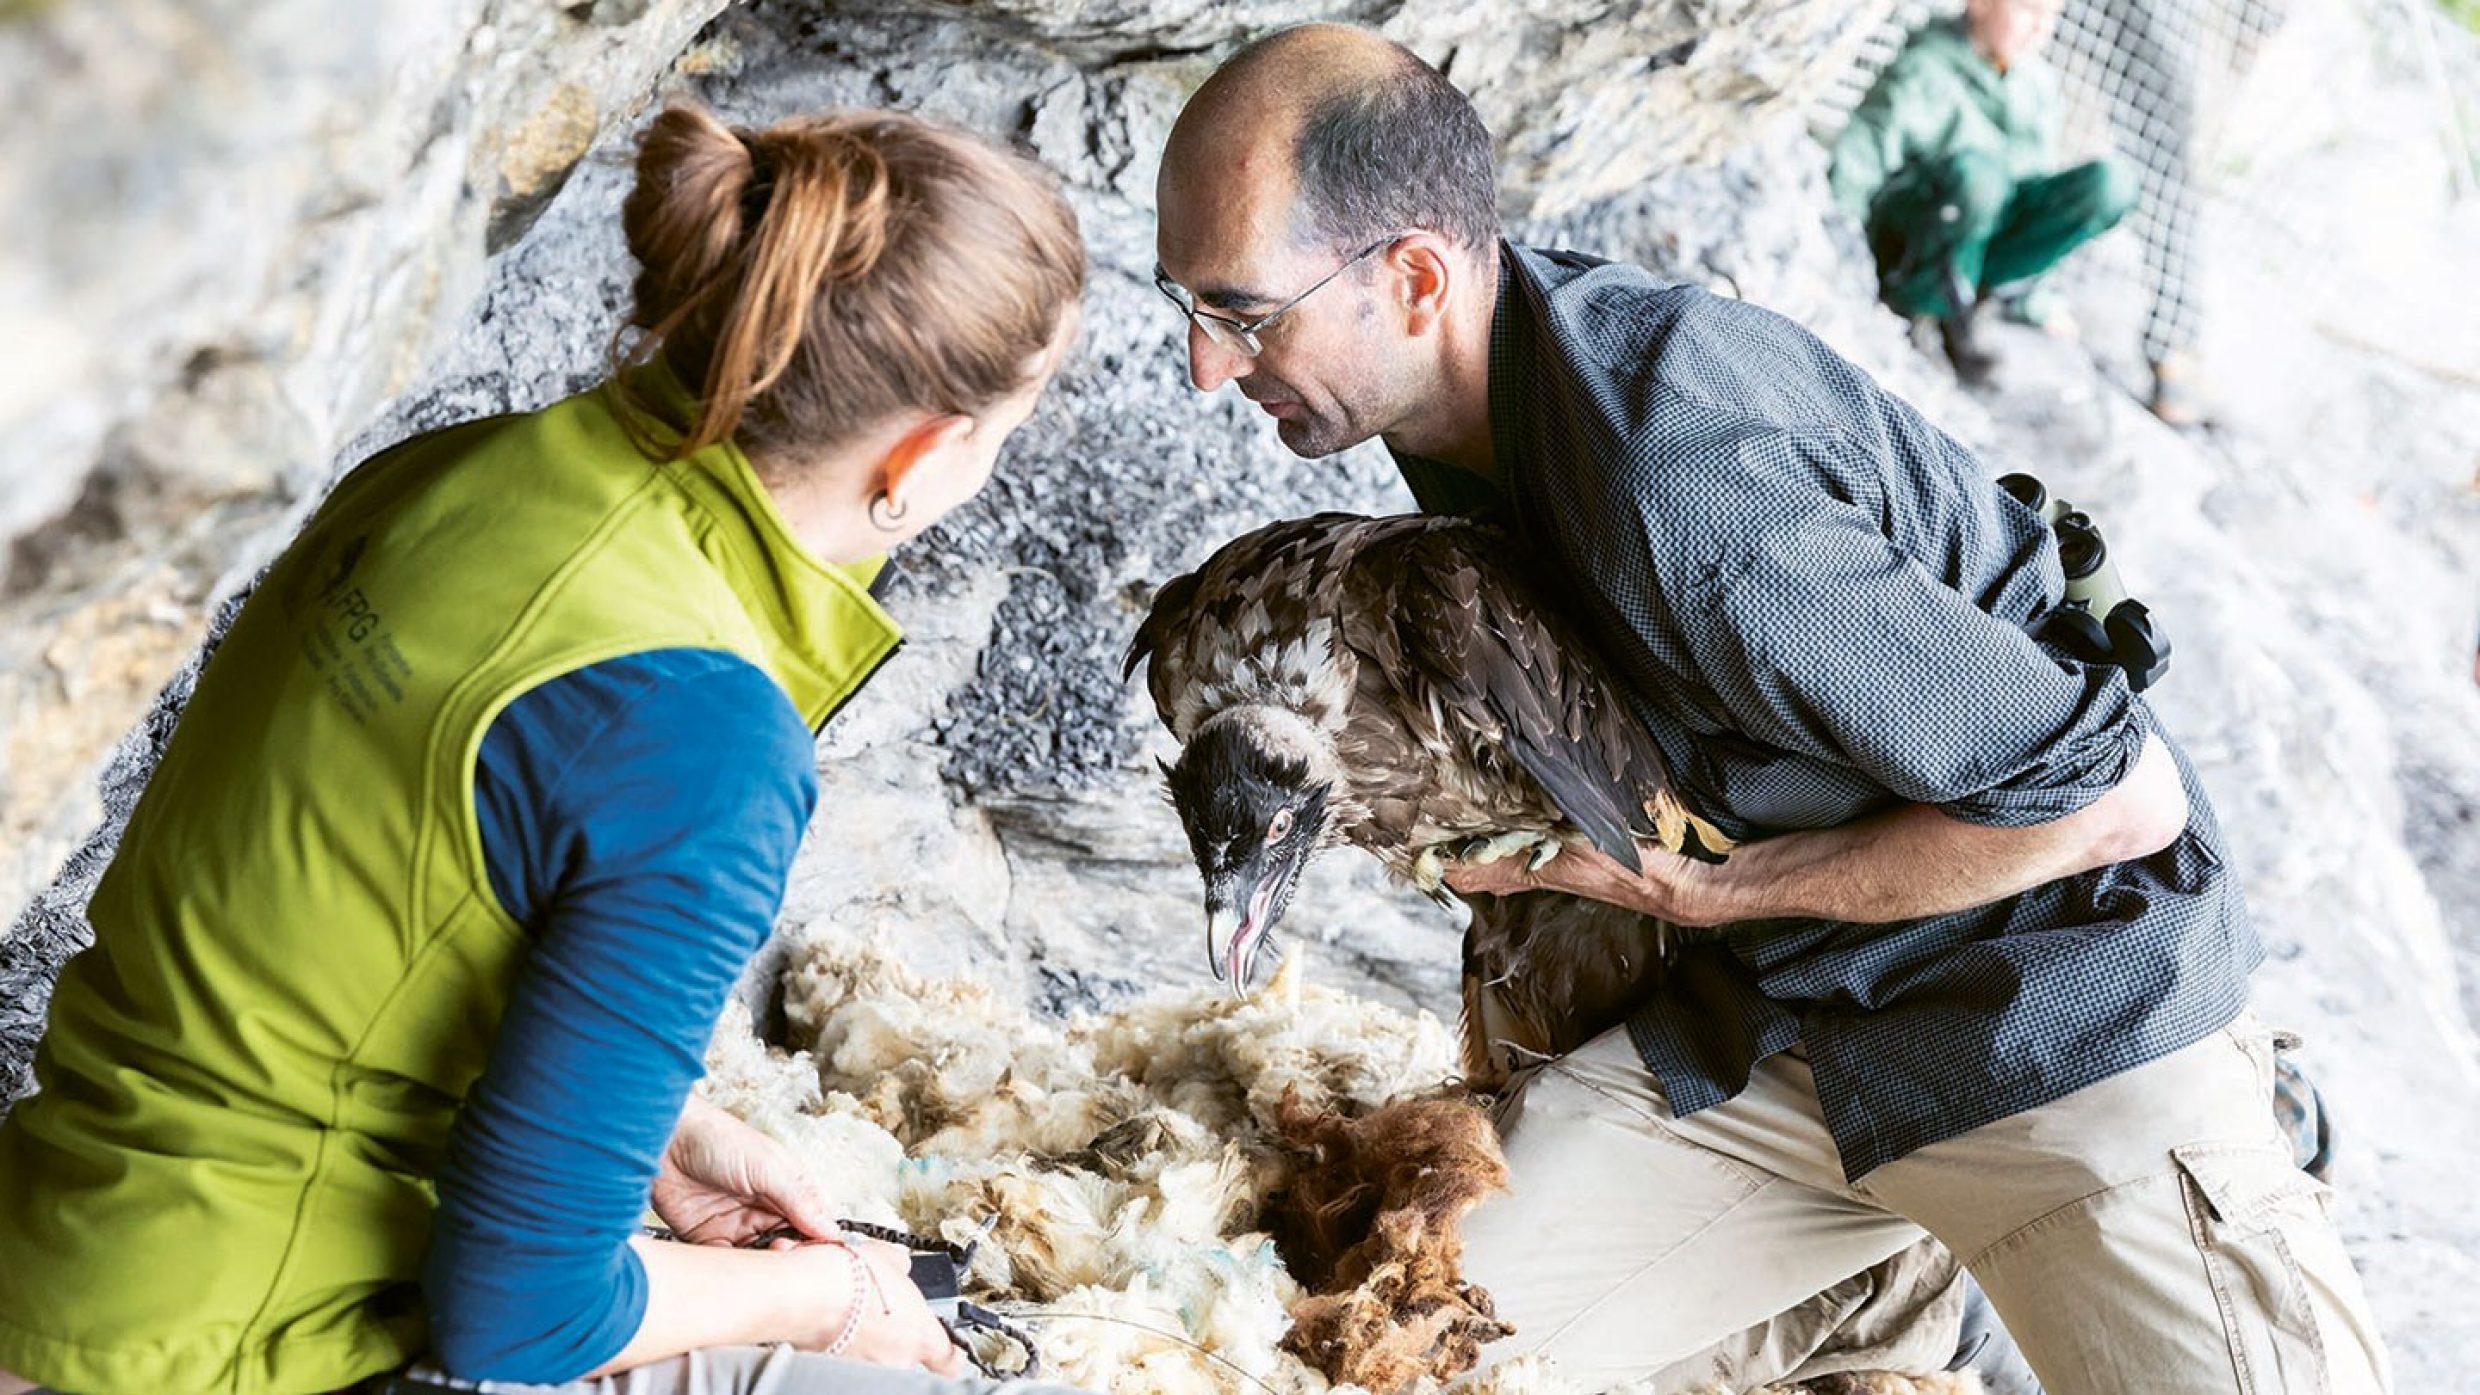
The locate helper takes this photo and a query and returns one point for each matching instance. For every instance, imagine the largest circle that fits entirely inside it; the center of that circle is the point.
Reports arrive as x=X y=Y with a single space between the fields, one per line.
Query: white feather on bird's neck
x=1281 y=731
x=1249 y=662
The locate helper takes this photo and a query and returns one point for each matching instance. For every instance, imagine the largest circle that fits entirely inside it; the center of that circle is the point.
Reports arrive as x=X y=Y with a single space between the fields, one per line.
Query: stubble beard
x=1313 y=438
x=1323 y=433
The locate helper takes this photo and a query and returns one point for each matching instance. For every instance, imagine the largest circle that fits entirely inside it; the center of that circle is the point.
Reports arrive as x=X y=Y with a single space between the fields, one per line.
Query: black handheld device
x=2098 y=621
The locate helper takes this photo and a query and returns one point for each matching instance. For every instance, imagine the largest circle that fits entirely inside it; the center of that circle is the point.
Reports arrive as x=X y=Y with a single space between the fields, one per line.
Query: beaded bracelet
x=864 y=1287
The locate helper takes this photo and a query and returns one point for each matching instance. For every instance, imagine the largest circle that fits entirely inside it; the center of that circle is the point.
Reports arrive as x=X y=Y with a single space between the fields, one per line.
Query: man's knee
x=2101 y=191
x=1977 y=184
x=1931 y=213
x=1960 y=191
x=1904 y=1313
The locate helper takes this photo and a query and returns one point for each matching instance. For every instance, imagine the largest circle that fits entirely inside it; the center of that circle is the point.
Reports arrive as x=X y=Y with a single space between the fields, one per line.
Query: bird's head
x=1254 y=793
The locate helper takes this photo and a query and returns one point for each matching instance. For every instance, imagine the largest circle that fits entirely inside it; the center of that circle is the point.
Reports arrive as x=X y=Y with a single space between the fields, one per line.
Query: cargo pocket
x=2260 y=1224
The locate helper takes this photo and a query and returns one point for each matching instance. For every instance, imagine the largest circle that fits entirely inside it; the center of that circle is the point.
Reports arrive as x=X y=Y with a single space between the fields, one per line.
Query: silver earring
x=885 y=513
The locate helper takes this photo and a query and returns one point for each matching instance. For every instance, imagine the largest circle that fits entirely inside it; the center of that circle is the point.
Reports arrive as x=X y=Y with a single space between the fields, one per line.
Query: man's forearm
x=1899 y=865
x=1915 y=860
x=1908 y=862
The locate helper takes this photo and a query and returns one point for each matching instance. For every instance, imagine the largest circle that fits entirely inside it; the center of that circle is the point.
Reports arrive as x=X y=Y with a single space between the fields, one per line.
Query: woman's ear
x=931 y=439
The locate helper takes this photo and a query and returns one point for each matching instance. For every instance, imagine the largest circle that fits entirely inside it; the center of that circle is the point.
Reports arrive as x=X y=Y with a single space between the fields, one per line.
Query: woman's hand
x=896 y=1326
x=858 y=1293
x=724 y=1183
x=1669 y=889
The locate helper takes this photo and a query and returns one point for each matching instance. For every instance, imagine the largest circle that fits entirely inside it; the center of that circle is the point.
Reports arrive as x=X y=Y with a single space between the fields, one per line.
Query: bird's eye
x=1280 y=825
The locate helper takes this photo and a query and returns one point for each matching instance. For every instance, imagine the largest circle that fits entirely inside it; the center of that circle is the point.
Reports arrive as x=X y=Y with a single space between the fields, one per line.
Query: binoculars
x=2099 y=622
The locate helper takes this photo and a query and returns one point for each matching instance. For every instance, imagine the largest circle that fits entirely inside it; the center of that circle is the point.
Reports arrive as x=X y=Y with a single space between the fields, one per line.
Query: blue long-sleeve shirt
x=639 y=817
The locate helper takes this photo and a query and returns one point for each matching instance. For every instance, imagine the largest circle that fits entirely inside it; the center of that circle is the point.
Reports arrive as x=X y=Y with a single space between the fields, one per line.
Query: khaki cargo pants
x=2146 y=1234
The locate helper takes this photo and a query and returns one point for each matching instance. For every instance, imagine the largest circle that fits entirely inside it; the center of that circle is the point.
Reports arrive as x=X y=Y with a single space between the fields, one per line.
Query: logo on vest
x=346 y=641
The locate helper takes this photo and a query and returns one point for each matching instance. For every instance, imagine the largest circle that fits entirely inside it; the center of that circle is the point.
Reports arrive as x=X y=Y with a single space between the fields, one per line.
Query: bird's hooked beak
x=1233 y=942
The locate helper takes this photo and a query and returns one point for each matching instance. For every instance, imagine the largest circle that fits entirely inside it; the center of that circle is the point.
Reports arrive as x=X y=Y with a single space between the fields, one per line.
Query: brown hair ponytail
x=813 y=278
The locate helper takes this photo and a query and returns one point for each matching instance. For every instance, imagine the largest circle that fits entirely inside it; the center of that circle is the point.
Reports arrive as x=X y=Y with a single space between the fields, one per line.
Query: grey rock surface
x=989 y=802
x=235 y=231
x=293 y=192
x=229 y=233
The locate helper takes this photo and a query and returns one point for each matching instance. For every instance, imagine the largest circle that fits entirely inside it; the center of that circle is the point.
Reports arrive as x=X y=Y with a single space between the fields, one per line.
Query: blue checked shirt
x=1820 y=604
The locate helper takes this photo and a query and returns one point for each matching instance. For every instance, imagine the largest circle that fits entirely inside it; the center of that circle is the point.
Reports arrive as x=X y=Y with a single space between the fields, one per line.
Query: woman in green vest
x=405 y=965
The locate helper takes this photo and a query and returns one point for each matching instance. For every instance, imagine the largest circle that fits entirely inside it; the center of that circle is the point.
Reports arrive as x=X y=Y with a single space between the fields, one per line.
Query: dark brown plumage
x=1393 y=683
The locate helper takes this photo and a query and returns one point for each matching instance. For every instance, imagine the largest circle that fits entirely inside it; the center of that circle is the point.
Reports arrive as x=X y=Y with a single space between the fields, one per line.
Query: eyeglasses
x=1240 y=336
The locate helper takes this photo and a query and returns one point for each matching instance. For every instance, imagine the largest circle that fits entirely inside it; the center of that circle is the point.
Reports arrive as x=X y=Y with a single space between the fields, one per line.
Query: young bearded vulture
x=1392 y=683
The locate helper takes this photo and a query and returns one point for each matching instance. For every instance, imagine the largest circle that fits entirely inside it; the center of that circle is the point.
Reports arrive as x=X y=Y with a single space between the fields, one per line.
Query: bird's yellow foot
x=1429 y=865
x=1539 y=847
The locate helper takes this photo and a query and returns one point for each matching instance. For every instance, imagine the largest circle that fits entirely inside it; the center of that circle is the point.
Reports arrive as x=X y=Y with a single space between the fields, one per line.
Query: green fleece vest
x=299 y=966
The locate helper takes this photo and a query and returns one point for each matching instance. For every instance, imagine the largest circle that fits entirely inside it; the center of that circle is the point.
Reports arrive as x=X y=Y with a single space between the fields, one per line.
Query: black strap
x=962 y=1254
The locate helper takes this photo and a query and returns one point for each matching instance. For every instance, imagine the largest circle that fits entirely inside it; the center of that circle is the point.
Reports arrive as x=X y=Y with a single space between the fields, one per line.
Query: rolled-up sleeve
x=1816 y=604
x=1823 y=637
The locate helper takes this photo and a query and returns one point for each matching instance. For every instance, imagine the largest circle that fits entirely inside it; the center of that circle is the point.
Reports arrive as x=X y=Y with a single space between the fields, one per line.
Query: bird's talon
x=1482 y=851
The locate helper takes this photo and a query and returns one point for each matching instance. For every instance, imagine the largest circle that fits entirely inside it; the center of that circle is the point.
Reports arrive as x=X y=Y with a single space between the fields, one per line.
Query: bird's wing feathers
x=1512 y=675
x=1158 y=635
x=1217 y=635
x=1420 y=638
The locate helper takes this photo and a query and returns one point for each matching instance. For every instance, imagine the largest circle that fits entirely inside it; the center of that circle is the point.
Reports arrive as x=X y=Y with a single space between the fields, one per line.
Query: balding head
x=1268 y=87
x=1338 y=134
x=1328 y=213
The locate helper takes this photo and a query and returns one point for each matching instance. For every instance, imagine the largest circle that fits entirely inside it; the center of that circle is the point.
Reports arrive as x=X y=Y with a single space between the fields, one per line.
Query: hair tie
x=761 y=186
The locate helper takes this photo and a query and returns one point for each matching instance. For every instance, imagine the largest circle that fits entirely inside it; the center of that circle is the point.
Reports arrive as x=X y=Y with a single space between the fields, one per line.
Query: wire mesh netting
x=2141 y=78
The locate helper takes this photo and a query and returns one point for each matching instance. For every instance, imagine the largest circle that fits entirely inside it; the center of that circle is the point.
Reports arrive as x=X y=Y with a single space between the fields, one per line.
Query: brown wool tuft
x=1372 y=1225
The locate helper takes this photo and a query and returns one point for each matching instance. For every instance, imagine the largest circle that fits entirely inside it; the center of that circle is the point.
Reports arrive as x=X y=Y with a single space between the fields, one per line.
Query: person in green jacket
x=1948 y=164
x=408 y=958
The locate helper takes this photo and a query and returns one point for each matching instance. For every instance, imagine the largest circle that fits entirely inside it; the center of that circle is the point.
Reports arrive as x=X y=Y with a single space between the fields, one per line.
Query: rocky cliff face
x=411 y=221
x=238 y=232
x=234 y=232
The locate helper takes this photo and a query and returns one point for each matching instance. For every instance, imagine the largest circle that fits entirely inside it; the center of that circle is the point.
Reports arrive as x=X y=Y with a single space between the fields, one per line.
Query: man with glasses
x=1979 y=971
x=1308 y=433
